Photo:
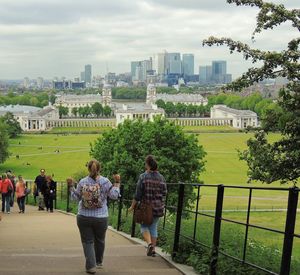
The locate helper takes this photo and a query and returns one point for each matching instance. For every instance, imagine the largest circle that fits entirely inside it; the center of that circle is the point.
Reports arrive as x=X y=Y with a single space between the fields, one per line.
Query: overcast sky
x=51 y=38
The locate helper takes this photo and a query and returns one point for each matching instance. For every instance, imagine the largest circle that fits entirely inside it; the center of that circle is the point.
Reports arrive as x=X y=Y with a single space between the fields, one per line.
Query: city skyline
x=56 y=38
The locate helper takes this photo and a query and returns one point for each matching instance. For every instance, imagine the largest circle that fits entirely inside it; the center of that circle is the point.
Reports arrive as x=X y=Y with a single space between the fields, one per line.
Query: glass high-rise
x=188 y=64
x=88 y=73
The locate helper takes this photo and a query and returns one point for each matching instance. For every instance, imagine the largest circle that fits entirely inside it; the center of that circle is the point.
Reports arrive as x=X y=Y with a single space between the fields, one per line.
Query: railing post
x=217 y=231
x=68 y=198
x=120 y=207
x=178 y=219
x=132 y=228
x=289 y=231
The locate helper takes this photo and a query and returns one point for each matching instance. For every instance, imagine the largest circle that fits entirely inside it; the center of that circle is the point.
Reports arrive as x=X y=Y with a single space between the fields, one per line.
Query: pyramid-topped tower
x=151 y=94
x=106 y=95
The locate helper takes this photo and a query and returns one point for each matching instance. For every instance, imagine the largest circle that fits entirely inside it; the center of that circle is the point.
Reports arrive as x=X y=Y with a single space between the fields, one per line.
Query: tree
x=97 y=109
x=74 y=111
x=63 y=111
x=278 y=161
x=4 y=154
x=107 y=111
x=124 y=149
x=12 y=125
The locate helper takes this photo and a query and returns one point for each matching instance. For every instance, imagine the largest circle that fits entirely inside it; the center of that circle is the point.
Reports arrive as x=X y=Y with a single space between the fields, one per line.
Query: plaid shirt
x=152 y=188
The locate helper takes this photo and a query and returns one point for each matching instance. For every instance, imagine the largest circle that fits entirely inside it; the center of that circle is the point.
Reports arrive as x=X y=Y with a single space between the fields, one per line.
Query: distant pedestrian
x=49 y=192
x=92 y=218
x=6 y=189
x=20 y=192
x=12 y=178
x=39 y=181
x=151 y=189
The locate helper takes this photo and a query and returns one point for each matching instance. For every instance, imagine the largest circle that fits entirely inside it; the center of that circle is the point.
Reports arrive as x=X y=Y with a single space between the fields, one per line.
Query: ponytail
x=151 y=162
x=94 y=168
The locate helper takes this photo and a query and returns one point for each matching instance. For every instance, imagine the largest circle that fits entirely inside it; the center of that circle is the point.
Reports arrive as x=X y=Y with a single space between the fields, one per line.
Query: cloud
x=57 y=38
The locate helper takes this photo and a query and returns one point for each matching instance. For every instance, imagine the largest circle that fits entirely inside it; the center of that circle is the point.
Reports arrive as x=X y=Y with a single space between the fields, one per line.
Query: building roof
x=141 y=108
x=235 y=111
x=44 y=111
x=24 y=109
x=180 y=97
x=79 y=98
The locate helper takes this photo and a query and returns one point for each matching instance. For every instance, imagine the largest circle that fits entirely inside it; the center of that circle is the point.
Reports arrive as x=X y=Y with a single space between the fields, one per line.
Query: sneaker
x=8 y=212
x=154 y=254
x=91 y=270
x=99 y=265
x=150 y=249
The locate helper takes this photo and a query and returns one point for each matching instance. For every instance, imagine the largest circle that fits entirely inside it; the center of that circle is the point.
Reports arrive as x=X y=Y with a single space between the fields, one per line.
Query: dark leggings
x=21 y=203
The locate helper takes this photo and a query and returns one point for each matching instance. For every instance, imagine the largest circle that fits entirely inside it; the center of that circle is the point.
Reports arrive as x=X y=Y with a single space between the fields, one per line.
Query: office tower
x=188 y=64
x=219 y=71
x=82 y=76
x=205 y=74
x=160 y=63
x=88 y=73
x=134 y=64
x=173 y=63
x=26 y=82
x=40 y=83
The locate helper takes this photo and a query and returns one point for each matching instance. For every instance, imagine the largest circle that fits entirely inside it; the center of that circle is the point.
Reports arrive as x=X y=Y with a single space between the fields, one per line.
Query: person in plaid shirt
x=152 y=188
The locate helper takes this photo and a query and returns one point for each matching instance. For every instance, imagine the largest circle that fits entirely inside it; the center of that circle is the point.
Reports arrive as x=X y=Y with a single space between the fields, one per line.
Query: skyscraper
x=205 y=74
x=219 y=70
x=134 y=64
x=160 y=64
x=188 y=64
x=173 y=63
x=88 y=73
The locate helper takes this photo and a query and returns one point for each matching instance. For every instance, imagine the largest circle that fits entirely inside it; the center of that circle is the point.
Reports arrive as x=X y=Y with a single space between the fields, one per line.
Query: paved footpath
x=48 y=243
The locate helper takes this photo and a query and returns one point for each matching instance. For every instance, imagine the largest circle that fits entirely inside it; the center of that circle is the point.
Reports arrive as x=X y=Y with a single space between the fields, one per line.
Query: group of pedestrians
x=11 y=187
x=44 y=191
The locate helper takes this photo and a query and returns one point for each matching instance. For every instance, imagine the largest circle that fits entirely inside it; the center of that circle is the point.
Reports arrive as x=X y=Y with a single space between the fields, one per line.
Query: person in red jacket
x=6 y=189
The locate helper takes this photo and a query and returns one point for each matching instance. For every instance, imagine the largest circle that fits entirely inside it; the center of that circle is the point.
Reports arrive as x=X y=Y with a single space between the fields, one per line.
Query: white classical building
x=75 y=101
x=31 y=118
x=240 y=118
x=143 y=111
x=188 y=99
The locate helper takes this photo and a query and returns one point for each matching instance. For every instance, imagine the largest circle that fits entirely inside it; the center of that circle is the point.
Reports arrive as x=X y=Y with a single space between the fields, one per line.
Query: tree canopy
x=123 y=150
x=281 y=159
x=12 y=125
x=4 y=154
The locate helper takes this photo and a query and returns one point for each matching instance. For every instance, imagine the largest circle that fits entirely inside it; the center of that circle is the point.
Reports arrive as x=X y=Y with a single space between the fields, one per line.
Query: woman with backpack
x=49 y=193
x=6 y=189
x=92 y=218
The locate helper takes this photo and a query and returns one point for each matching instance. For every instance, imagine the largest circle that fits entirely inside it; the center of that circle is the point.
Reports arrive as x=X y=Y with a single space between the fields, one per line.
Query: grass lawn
x=223 y=166
x=79 y=130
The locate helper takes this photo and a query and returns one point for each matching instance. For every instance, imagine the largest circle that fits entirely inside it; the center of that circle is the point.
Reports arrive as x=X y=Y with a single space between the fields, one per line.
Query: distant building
x=88 y=73
x=144 y=112
x=151 y=94
x=193 y=99
x=82 y=76
x=205 y=74
x=239 y=118
x=188 y=64
x=26 y=83
x=173 y=63
x=40 y=83
x=106 y=95
x=31 y=118
x=110 y=78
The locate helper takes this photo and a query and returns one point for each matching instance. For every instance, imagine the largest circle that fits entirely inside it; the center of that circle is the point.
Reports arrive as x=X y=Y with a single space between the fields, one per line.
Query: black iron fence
x=178 y=211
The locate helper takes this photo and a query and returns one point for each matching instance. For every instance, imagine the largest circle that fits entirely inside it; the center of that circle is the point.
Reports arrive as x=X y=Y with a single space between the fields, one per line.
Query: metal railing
x=289 y=235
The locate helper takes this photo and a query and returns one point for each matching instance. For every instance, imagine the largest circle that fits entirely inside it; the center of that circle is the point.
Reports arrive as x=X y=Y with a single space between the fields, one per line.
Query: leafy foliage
x=280 y=160
x=4 y=154
x=124 y=149
x=12 y=125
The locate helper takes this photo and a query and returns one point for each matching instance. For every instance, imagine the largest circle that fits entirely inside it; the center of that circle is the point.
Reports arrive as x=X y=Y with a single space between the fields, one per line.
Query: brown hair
x=151 y=162
x=48 y=178
x=94 y=168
